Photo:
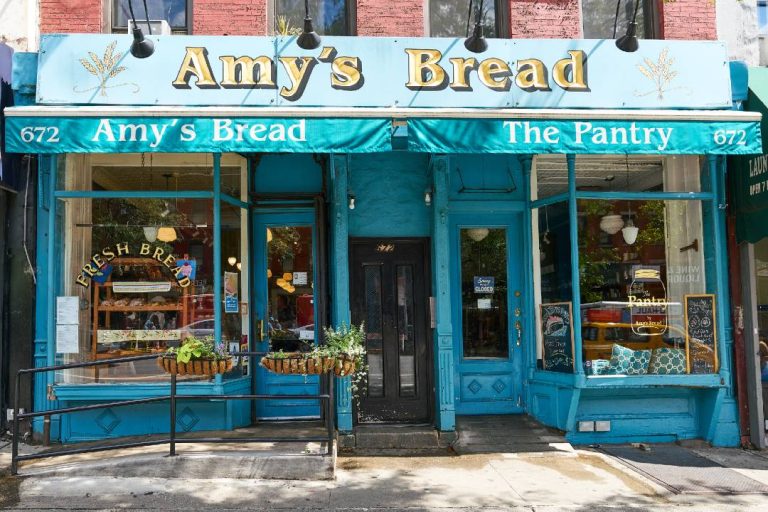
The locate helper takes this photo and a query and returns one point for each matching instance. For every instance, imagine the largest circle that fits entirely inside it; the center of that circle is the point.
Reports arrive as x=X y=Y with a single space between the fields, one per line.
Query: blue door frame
x=490 y=385
x=268 y=382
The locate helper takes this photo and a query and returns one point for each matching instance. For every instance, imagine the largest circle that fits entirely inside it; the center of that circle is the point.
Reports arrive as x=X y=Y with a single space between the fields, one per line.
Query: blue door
x=286 y=311
x=487 y=301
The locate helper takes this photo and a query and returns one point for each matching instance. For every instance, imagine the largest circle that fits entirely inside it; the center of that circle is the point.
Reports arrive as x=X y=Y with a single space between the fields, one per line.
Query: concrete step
x=395 y=440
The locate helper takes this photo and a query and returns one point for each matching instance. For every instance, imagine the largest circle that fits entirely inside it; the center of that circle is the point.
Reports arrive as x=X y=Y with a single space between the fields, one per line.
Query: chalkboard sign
x=557 y=337
x=701 y=330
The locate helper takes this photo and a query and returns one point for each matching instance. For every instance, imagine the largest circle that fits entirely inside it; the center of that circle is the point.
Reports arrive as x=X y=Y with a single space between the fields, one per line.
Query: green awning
x=749 y=174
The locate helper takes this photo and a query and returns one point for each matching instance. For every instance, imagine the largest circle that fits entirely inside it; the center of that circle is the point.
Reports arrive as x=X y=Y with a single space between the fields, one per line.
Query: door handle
x=519 y=329
x=260 y=330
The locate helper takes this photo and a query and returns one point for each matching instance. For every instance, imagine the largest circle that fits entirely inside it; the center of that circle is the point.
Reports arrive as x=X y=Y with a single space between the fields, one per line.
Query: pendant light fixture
x=141 y=48
x=476 y=43
x=628 y=42
x=629 y=232
x=478 y=234
x=308 y=40
x=611 y=223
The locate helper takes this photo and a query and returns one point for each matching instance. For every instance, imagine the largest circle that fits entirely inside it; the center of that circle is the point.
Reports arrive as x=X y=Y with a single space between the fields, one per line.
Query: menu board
x=557 y=337
x=701 y=329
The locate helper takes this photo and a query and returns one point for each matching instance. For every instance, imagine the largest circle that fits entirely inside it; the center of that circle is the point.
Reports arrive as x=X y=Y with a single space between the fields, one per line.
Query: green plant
x=284 y=27
x=194 y=348
x=348 y=341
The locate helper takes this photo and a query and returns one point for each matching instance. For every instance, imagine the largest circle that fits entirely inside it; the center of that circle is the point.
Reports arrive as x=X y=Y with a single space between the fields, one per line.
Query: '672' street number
x=738 y=137
x=39 y=133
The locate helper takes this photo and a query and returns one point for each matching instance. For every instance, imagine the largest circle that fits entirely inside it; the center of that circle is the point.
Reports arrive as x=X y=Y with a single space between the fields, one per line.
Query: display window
x=646 y=302
x=138 y=248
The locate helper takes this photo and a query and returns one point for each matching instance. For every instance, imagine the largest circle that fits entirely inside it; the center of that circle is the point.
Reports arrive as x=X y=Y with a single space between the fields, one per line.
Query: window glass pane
x=448 y=18
x=639 y=174
x=329 y=17
x=549 y=176
x=172 y=11
x=234 y=264
x=484 y=292
x=598 y=17
x=171 y=172
x=374 y=331
x=290 y=291
x=761 y=271
x=762 y=17
x=638 y=261
x=405 y=330
x=142 y=280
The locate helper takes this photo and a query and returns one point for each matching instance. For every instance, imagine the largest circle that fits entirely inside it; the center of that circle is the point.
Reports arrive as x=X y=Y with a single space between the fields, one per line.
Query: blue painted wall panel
x=389 y=195
x=486 y=177
x=278 y=172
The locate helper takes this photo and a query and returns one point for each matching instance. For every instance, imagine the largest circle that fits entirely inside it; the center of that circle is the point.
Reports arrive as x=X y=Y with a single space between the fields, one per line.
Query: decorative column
x=340 y=311
x=441 y=251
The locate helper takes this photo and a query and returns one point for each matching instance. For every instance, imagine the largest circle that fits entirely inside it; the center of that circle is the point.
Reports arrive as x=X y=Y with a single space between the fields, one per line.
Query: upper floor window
x=456 y=18
x=329 y=17
x=762 y=16
x=175 y=12
x=598 y=18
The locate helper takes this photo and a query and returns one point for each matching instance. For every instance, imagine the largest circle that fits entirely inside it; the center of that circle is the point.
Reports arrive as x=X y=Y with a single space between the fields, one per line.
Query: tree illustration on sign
x=105 y=68
x=659 y=72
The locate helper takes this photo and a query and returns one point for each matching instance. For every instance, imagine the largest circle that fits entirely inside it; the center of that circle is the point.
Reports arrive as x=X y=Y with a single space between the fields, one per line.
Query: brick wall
x=537 y=19
x=70 y=16
x=229 y=17
x=390 y=18
x=688 y=19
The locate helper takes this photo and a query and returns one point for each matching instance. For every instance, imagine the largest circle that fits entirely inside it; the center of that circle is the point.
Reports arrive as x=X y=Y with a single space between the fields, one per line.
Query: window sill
x=641 y=381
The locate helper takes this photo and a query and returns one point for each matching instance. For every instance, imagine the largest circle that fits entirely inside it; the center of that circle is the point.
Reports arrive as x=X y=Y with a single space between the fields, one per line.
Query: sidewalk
x=560 y=479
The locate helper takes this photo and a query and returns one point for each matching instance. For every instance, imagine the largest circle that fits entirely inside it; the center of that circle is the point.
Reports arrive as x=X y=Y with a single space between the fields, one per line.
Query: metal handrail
x=172 y=397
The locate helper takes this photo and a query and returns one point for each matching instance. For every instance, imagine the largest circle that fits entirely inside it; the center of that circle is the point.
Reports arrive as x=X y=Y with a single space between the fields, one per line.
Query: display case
x=138 y=308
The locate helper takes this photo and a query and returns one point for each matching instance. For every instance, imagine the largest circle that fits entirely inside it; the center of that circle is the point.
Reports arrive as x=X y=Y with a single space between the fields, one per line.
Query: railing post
x=330 y=414
x=173 y=415
x=15 y=440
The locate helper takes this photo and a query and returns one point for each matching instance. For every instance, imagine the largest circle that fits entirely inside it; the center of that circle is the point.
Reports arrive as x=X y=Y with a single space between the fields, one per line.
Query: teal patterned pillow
x=625 y=361
x=668 y=361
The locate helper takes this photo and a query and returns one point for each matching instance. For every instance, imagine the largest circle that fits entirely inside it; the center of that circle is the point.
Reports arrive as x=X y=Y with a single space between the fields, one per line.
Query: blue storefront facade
x=537 y=229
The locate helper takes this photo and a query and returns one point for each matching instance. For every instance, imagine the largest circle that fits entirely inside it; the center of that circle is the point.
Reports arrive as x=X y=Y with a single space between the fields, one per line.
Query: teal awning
x=749 y=175
x=88 y=129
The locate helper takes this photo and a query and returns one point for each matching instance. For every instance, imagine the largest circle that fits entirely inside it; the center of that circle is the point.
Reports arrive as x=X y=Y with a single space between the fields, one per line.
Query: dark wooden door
x=389 y=288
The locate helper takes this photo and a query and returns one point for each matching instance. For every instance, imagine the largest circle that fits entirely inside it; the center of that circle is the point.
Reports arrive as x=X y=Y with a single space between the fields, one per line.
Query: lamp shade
x=478 y=234
x=611 y=224
x=166 y=234
x=231 y=260
x=629 y=232
x=150 y=233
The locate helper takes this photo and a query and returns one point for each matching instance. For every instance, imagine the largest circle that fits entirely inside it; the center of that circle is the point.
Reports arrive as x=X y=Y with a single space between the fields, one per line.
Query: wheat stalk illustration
x=659 y=72
x=105 y=69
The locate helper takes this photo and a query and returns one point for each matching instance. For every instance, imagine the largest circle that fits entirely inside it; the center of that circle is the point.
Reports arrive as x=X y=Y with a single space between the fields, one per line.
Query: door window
x=290 y=288
x=484 y=292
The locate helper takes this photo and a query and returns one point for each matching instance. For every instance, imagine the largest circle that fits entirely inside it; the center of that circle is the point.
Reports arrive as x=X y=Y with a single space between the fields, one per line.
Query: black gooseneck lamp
x=308 y=40
x=628 y=42
x=141 y=48
x=476 y=43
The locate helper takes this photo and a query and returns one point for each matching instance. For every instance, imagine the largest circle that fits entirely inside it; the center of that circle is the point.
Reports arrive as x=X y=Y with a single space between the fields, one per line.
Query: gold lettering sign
x=98 y=262
x=425 y=66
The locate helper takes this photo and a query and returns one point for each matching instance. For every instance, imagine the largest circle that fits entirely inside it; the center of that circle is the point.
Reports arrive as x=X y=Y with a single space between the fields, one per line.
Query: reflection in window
x=448 y=18
x=172 y=11
x=405 y=330
x=598 y=18
x=329 y=17
x=374 y=330
x=484 y=292
x=638 y=261
x=290 y=288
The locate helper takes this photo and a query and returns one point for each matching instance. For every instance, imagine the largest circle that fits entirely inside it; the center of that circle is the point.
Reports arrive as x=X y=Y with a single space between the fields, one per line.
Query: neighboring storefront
x=520 y=234
x=748 y=193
